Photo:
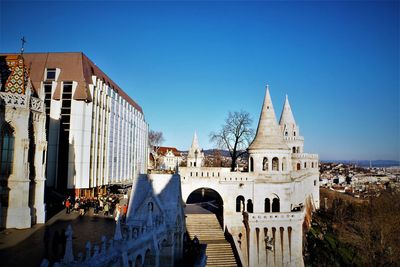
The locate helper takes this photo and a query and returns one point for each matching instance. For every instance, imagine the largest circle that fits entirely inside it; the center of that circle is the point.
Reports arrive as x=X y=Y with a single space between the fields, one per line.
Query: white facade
x=97 y=135
x=265 y=209
x=23 y=147
x=170 y=160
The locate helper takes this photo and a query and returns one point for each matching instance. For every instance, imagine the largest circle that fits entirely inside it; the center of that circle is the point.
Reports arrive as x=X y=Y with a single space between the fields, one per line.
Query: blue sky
x=189 y=63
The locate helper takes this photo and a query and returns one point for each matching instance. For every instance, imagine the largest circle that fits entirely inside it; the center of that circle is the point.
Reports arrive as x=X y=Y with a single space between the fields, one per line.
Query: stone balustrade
x=304 y=156
x=13 y=100
x=276 y=216
x=21 y=101
x=293 y=138
x=37 y=104
x=127 y=237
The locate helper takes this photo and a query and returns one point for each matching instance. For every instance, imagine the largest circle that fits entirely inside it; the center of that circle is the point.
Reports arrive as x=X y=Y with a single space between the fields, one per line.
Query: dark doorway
x=208 y=199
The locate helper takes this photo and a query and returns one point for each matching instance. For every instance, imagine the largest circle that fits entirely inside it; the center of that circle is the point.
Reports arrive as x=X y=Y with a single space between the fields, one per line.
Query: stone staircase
x=208 y=230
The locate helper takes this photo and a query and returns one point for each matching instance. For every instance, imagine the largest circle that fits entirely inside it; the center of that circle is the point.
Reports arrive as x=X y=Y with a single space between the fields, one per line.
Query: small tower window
x=294 y=133
x=251 y=164
x=275 y=164
x=265 y=164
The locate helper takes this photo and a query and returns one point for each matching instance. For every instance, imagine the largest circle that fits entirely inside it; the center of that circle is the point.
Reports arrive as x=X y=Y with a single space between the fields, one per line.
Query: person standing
x=68 y=205
x=106 y=209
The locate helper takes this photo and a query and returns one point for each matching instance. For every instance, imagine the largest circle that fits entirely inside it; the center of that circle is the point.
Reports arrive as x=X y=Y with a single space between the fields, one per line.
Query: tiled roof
x=163 y=151
x=13 y=74
x=75 y=66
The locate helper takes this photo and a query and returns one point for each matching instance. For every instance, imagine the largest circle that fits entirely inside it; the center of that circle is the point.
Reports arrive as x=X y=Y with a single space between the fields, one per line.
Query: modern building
x=96 y=134
x=267 y=209
x=22 y=146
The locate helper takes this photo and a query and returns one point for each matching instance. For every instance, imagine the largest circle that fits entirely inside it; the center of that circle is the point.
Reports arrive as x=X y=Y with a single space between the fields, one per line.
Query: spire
x=268 y=134
x=287 y=115
x=195 y=142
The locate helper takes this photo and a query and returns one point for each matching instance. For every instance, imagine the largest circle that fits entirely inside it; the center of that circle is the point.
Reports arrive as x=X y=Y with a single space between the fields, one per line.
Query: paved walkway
x=28 y=247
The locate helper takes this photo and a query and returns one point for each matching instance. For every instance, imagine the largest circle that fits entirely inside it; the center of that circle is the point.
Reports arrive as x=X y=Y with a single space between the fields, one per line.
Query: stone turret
x=290 y=130
x=268 y=151
x=195 y=156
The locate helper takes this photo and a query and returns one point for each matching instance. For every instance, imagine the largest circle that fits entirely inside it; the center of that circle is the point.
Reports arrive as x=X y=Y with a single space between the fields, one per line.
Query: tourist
x=106 y=209
x=68 y=205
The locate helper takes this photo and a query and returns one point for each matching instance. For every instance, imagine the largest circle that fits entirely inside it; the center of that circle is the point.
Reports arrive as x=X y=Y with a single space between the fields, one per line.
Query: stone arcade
x=266 y=209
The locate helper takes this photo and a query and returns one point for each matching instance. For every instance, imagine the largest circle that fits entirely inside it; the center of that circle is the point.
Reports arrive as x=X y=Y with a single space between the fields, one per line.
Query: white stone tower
x=268 y=153
x=195 y=156
x=290 y=130
x=268 y=209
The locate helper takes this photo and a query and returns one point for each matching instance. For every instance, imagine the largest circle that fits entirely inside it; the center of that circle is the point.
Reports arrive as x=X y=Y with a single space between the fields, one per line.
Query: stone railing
x=13 y=100
x=293 y=138
x=304 y=156
x=275 y=216
x=37 y=104
x=20 y=101
x=126 y=238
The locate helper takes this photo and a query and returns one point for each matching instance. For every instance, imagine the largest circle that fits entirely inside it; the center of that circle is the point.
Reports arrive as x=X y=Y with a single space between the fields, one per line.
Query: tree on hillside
x=155 y=139
x=235 y=135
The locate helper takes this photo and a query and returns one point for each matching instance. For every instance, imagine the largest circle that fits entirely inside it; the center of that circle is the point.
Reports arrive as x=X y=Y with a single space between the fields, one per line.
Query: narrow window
x=265 y=164
x=249 y=206
x=298 y=166
x=251 y=164
x=267 y=205
x=239 y=204
x=275 y=164
x=275 y=205
x=7 y=151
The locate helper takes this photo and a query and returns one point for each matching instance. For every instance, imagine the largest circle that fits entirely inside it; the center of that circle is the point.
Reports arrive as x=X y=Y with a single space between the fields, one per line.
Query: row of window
x=269 y=206
x=265 y=164
x=202 y=174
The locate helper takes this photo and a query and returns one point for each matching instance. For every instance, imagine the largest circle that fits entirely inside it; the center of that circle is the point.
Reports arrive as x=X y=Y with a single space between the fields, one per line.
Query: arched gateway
x=257 y=205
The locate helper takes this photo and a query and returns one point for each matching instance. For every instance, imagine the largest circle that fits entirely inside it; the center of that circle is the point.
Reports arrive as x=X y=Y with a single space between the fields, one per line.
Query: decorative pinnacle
x=23 y=41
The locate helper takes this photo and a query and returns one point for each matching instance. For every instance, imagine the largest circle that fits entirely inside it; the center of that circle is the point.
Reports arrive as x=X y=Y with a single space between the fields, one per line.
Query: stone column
x=18 y=212
x=253 y=257
x=40 y=181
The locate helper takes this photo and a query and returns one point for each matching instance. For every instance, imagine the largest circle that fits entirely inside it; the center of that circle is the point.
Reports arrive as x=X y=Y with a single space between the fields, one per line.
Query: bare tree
x=235 y=135
x=155 y=139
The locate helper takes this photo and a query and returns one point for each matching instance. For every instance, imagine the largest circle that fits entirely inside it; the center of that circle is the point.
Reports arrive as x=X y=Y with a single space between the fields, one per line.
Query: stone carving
x=37 y=104
x=13 y=100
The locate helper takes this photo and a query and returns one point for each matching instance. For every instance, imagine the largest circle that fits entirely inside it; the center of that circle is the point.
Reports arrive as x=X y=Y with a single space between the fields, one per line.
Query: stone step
x=208 y=230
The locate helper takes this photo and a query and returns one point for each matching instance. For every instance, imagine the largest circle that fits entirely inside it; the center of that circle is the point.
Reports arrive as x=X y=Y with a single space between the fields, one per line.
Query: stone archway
x=209 y=199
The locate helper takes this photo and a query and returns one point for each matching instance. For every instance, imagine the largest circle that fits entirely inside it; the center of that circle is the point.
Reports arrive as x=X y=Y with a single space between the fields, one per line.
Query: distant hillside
x=366 y=163
x=210 y=152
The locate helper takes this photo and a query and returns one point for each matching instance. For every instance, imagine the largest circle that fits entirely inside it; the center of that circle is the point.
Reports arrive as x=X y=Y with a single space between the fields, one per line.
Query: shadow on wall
x=6 y=132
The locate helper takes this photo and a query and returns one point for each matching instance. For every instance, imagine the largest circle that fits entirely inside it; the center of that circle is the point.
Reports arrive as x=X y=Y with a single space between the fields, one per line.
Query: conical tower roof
x=195 y=142
x=287 y=115
x=268 y=134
